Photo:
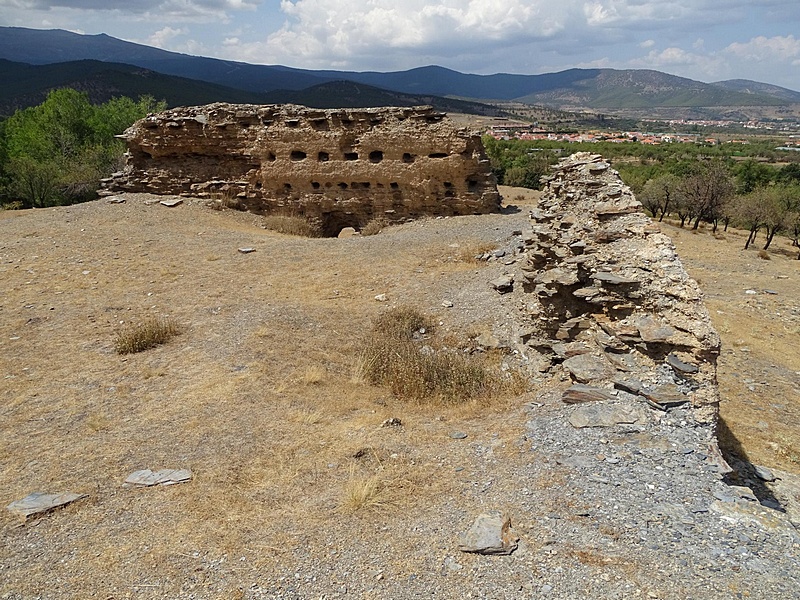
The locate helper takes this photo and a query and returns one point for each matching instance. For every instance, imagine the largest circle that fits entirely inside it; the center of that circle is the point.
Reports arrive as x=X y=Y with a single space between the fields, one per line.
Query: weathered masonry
x=343 y=167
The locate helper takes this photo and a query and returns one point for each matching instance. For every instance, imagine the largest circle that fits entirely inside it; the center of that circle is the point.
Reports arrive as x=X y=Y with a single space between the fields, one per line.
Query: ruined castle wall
x=609 y=300
x=343 y=166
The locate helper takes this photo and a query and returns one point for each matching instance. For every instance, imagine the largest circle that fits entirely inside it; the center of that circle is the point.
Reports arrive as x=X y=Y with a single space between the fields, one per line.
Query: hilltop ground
x=257 y=396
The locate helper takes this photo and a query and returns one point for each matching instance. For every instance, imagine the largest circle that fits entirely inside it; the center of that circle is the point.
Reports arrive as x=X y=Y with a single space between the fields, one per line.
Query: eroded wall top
x=343 y=166
x=609 y=298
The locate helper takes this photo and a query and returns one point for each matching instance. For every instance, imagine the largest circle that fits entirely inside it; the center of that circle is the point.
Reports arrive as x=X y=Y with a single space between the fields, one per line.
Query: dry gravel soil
x=259 y=397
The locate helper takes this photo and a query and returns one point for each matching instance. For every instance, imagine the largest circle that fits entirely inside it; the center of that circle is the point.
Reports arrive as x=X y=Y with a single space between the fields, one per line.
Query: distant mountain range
x=101 y=64
x=27 y=85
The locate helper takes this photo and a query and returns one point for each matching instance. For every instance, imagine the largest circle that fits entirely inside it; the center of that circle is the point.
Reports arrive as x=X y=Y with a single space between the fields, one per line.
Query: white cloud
x=762 y=49
x=706 y=67
x=161 y=37
x=647 y=44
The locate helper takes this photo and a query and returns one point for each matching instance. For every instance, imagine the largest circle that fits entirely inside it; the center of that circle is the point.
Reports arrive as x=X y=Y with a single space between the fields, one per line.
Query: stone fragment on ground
x=147 y=478
x=172 y=203
x=586 y=393
x=40 y=502
x=490 y=534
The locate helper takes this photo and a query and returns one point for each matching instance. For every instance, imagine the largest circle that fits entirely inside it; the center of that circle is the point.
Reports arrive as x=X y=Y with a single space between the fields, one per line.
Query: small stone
x=346 y=232
x=381 y=297
x=392 y=422
x=458 y=435
x=40 y=503
x=171 y=203
x=503 y=284
x=763 y=473
x=147 y=478
x=490 y=534
x=246 y=250
x=447 y=304
x=750 y=292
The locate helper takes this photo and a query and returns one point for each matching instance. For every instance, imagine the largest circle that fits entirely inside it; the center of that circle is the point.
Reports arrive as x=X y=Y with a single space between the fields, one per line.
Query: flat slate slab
x=586 y=393
x=41 y=502
x=147 y=478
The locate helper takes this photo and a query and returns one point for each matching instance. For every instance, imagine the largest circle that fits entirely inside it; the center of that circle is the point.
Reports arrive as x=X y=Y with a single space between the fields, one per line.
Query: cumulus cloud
x=161 y=37
x=762 y=49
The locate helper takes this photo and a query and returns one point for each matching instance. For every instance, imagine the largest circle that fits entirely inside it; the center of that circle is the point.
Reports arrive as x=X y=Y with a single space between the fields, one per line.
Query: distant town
x=693 y=134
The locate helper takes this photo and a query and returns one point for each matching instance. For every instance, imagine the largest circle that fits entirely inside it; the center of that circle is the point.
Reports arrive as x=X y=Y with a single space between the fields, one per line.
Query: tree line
x=57 y=152
x=693 y=184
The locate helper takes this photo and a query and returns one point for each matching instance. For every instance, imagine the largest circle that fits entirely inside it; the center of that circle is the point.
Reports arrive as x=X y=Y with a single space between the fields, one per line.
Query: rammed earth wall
x=343 y=167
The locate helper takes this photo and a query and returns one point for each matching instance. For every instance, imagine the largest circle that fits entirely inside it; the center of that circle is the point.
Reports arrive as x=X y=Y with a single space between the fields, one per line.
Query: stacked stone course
x=609 y=298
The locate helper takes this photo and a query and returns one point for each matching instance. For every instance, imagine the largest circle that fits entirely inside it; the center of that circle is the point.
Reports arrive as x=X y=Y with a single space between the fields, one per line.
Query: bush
x=292 y=225
x=148 y=334
x=394 y=358
x=374 y=227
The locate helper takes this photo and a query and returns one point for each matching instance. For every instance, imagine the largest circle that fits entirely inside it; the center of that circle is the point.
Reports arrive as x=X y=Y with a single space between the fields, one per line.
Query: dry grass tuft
x=314 y=375
x=292 y=225
x=150 y=333
x=764 y=255
x=363 y=493
x=374 y=227
x=393 y=358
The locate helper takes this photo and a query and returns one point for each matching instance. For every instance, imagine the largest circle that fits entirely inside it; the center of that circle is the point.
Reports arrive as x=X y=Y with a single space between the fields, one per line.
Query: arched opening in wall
x=472 y=185
x=315 y=185
x=333 y=223
x=323 y=157
x=375 y=156
x=394 y=185
x=287 y=187
x=447 y=185
x=408 y=157
x=320 y=124
x=266 y=122
x=298 y=155
x=449 y=194
x=293 y=123
x=342 y=185
x=437 y=155
x=351 y=155
x=360 y=185
x=271 y=157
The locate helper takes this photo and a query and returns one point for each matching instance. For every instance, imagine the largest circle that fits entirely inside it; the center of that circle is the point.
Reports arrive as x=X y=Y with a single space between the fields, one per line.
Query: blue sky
x=707 y=40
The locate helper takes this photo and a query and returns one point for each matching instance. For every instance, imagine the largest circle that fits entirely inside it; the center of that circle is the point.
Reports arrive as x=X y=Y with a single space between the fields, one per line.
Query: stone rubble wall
x=609 y=300
x=343 y=167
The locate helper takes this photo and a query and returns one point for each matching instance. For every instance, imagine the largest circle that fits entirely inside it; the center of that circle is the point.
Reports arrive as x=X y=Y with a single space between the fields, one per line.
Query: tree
x=706 y=190
x=660 y=194
x=749 y=212
x=57 y=152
